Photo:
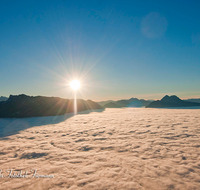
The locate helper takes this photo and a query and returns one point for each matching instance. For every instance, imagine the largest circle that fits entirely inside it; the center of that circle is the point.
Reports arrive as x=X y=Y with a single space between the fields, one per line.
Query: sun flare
x=75 y=84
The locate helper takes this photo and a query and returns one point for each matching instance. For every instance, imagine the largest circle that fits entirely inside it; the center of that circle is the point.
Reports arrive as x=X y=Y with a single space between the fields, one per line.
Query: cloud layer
x=131 y=148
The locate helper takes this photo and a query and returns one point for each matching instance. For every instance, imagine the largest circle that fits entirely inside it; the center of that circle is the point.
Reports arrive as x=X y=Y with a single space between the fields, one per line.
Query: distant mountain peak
x=133 y=99
x=172 y=98
x=166 y=96
x=171 y=101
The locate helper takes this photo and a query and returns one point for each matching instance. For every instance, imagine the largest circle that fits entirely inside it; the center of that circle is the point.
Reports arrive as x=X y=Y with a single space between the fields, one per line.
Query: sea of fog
x=128 y=148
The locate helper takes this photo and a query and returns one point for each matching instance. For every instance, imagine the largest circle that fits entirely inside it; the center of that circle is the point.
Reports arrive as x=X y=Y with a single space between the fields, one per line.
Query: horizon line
x=115 y=99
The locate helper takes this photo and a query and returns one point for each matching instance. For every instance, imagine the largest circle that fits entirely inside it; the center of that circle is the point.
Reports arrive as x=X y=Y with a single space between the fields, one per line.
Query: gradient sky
x=118 y=49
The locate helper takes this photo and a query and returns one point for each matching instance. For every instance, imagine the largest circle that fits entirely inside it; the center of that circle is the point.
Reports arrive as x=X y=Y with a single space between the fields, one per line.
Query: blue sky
x=117 y=49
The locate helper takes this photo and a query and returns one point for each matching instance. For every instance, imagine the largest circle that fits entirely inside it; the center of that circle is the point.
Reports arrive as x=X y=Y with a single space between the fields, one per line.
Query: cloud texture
x=130 y=148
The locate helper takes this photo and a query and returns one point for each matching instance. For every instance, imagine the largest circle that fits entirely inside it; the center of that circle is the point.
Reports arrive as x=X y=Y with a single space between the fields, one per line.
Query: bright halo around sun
x=75 y=84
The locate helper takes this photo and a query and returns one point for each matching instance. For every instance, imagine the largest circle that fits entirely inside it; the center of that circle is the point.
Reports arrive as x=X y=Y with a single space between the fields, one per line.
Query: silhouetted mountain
x=2 y=98
x=171 y=101
x=111 y=105
x=133 y=102
x=29 y=106
x=197 y=100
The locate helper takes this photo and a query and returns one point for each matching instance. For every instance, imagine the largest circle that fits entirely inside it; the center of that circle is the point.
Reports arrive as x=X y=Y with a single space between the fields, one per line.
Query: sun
x=75 y=84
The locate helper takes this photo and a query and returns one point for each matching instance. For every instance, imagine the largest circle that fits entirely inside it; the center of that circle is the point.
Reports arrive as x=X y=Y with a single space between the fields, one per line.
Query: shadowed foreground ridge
x=29 y=106
x=171 y=101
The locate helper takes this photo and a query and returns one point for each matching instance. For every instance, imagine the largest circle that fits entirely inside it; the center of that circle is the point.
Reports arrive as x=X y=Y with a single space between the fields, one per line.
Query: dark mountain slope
x=29 y=106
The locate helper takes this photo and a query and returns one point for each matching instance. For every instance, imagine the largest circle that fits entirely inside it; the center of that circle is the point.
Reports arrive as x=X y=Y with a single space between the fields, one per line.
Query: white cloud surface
x=131 y=148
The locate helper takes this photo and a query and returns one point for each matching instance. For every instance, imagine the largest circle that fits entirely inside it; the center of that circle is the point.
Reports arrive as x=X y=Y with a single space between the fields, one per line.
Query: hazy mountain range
x=166 y=101
x=197 y=100
x=133 y=102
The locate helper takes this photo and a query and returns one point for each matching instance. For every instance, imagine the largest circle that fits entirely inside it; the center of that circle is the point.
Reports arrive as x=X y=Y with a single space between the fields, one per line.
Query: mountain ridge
x=171 y=101
x=19 y=106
